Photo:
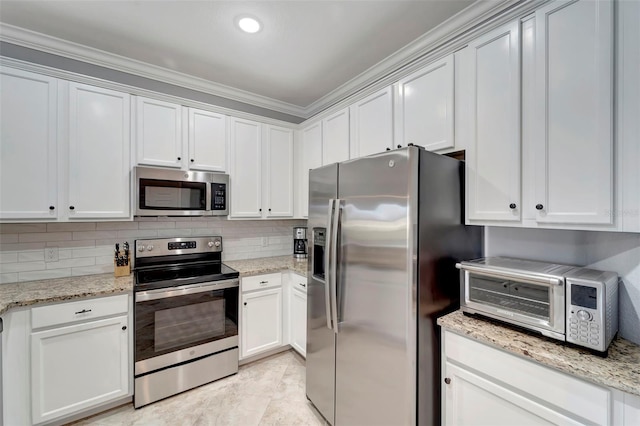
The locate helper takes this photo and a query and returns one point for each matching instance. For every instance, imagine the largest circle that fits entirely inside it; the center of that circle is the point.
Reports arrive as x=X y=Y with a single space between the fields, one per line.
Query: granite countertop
x=619 y=370
x=60 y=289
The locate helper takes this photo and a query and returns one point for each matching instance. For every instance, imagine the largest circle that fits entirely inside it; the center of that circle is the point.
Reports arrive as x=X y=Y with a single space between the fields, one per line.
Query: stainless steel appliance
x=163 y=192
x=300 y=242
x=186 y=316
x=576 y=305
x=386 y=231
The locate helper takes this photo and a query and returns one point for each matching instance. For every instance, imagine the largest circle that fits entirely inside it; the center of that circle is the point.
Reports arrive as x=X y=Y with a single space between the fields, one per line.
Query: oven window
x=172 y=195
x=175 y=323
x=526 y=299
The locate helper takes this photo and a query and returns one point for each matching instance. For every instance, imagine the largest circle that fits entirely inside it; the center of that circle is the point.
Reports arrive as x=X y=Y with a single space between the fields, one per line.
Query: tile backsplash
x=86 y=248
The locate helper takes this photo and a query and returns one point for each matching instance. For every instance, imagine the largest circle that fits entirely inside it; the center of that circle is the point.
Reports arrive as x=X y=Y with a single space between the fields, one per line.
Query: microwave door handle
x=521 y=277
x=327 y=263
x=337 y=216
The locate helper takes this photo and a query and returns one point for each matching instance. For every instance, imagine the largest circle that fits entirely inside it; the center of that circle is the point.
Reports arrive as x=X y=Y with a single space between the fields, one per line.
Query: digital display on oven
x=182 y=245
x=586 y=297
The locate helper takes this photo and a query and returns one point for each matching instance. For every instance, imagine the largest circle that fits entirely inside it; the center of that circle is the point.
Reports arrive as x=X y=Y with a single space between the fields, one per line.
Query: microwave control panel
x=218 y=196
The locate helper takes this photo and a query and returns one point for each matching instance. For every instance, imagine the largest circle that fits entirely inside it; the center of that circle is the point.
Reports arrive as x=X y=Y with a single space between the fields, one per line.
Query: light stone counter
x=619 y=370
x=61 y=289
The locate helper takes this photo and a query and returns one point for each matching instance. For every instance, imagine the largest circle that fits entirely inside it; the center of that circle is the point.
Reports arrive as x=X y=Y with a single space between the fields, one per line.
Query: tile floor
x=270 y=391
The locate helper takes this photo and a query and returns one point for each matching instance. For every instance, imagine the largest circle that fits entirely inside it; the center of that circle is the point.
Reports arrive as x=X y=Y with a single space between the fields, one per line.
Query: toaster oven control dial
x=141 y=248
x=584 y=315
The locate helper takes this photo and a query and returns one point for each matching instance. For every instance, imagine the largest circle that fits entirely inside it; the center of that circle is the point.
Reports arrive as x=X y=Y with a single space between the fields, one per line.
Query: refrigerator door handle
x=328 y=266
x=337 y=218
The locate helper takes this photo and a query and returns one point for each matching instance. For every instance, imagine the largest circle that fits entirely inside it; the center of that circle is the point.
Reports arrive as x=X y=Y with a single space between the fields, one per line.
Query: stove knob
x=149 y=247
x=140 y=248
x=584 y=315
x=217 y=243
x=210 y=244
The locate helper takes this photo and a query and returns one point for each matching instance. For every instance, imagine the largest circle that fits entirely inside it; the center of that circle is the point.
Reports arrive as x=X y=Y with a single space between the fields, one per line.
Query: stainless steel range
x=186 y=316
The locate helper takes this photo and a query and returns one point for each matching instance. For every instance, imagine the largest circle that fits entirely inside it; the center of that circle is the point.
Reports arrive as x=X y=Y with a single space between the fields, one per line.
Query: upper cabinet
x=310 y=157
x=372 y=124
x=99 y=146
x=492 y=71
x=28 y=146
x=278 y=179
x=158 y=133
x=207 y=140
x=574 y=149
x=335 y=137
x=425 y=114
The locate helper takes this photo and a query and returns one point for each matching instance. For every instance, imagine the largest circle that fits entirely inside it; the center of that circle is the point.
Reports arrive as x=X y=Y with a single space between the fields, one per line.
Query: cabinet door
x=28 y=146
x=261 y=321
x=99 y=146
x=372 y=124
x=279 y=172
x=298 y=321
x=335 y=137
x=493 y=161
x=425 y=106
x=245 y=172
x=77 y=367
x=207 y=141
x=470 y=399
x=311 y=158
x=158 y=133
x=574 y=149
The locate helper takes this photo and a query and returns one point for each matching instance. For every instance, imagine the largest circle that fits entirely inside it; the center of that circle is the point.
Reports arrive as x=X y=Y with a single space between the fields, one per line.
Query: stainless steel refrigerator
x=385 y=233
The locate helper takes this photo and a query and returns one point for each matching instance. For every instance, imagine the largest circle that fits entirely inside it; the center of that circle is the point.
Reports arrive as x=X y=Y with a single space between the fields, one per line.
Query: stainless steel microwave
x=163 y=192
x=568 y=303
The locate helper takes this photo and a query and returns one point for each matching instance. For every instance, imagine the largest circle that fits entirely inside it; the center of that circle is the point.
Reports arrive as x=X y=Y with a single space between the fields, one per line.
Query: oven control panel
x=182 y=245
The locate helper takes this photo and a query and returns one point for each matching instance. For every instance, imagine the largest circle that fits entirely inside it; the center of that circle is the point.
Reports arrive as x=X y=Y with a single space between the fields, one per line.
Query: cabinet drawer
x=299 y=282
x=260 y=282
x=82 y=310
x=580 y=398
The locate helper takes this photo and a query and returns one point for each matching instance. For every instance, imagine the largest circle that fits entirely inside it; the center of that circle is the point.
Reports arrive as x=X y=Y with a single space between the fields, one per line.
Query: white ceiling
x=305 y=50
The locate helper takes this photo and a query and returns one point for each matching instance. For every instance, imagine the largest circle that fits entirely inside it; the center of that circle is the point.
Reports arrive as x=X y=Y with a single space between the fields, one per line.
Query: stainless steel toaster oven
x=568 y=303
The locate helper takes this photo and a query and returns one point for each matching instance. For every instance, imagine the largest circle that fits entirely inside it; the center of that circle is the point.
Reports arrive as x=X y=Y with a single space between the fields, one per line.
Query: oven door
x=180 y=324
x=533 y=302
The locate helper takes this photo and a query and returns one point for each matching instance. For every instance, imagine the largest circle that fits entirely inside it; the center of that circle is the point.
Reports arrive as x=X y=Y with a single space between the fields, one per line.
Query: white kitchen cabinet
x=207 y=140
x=28 y=145
x=492 y=73
x=261 y=328
x=310 y=158
x=158 y=133
x=335 y=137
x=298 y=314
x=574 y=150
x=483 y=385
x=372 y=124
x=99 y=146
x=278 y=179
x=425 y=114
x=245 y=171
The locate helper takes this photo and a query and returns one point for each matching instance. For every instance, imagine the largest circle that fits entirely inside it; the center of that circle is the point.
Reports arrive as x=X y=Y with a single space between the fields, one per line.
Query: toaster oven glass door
x=522 y=298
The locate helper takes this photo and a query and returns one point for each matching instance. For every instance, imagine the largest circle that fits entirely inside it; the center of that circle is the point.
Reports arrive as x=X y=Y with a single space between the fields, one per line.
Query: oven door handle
x=511 y=275
x=163 y=293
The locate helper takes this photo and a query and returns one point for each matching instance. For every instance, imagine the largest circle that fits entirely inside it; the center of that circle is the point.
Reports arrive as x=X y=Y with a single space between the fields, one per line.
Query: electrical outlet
x=51 y=254
x=265 y=241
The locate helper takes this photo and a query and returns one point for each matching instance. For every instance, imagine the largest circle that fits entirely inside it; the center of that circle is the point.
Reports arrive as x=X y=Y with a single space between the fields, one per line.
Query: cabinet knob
x=388 y=149
x=71 y=208
x=409 y=144
x=539 y=206
x=269 y=209
x=179 y=158
x=191 y=160
x=245 y=303
x=447 y=380
x=51 y=208
x=399 y=146
x=303 y=285
x=512 y=206
x=124 y=327
x=259 y=210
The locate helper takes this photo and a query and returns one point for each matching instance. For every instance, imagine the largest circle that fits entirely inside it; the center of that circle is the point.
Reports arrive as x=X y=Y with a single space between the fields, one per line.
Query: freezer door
x=320 y=363
x=375 y=349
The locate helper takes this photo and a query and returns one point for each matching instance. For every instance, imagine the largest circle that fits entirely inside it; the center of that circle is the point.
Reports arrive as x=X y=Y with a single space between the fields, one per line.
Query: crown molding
x=56 y=46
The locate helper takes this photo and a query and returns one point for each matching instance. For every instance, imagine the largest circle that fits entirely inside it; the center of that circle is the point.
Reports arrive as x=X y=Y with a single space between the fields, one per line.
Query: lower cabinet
x=261 y=328
x=482 y=385
x=78 y=367
x=298 y=314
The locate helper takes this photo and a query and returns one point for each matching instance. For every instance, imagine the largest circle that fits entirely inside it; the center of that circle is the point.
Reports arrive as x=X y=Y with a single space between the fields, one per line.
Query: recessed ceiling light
x=249 y=24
